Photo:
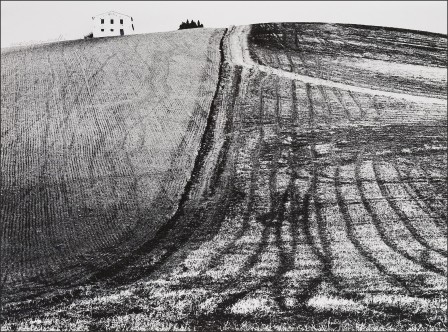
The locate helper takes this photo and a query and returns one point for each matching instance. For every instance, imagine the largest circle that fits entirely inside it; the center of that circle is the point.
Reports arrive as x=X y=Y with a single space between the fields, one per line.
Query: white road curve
x=239 y=51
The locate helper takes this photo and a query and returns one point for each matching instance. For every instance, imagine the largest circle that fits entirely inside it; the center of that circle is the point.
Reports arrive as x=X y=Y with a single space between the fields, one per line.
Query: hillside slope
x=377 y=57
x=98 y=139
x=317 y=200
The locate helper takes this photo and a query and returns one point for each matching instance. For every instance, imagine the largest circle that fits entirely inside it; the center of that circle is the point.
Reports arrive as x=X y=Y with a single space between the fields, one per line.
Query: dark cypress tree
x=190 y=25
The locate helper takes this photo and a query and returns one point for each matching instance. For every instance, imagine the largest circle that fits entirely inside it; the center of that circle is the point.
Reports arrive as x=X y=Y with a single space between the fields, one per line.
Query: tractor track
x=418 y=199
x=250 y=203
x=254 y=257
x=376 y=220
x=364 y=252
x=403 y=217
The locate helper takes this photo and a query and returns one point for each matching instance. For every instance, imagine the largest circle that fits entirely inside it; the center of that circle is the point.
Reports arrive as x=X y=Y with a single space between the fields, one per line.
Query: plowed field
x=317 y=199
x=98 y=141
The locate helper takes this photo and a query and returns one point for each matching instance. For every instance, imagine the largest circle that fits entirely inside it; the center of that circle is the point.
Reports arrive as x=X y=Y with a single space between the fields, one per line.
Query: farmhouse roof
x=111 y=12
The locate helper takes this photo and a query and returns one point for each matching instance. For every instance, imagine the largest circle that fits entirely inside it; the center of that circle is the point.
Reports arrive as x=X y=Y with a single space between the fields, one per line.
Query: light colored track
x=239 y=54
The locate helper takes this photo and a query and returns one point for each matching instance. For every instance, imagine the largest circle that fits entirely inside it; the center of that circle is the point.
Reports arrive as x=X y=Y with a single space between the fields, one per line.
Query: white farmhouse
x=112 y=24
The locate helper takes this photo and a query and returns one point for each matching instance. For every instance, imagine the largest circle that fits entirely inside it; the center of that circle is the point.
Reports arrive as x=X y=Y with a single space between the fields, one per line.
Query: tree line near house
x=190 y=25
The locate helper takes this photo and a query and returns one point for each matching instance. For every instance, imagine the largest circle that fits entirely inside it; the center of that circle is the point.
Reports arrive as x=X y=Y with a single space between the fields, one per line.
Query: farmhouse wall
x=110 y=23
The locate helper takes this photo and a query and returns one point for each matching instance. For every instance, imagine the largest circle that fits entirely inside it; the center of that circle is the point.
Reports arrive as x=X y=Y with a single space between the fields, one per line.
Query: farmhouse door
x=121 y=32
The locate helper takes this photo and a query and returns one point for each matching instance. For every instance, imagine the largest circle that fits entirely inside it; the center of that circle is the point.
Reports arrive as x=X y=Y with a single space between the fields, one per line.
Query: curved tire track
x=403 y=217
x=382 y=231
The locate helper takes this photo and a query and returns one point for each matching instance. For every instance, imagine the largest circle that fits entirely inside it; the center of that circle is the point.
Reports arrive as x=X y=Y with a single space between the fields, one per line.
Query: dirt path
x=239 y=50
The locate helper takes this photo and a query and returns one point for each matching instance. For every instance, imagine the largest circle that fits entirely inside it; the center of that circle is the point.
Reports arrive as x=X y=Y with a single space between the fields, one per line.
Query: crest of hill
x=363 y=26
x=409 y=46
x=5 y=50
x=383 y=58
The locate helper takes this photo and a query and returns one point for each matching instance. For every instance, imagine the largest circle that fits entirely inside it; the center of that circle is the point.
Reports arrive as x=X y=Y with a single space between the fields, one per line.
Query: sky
x=28 y=22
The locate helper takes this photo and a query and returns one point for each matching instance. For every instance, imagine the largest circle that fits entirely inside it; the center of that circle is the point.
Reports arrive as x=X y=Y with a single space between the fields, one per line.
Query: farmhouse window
x=102 y=21
x=112 y=21
x=121 y=21
x=132 y=27
x=102 y=30
x=111 y=29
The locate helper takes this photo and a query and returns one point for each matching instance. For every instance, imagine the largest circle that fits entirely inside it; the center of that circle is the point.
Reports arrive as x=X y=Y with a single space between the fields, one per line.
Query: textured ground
x=317 y=198
x=99 y=138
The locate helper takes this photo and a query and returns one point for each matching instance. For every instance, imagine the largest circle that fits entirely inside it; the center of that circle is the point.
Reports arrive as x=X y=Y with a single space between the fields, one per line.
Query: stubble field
x=95 y=154
x=311 y=205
